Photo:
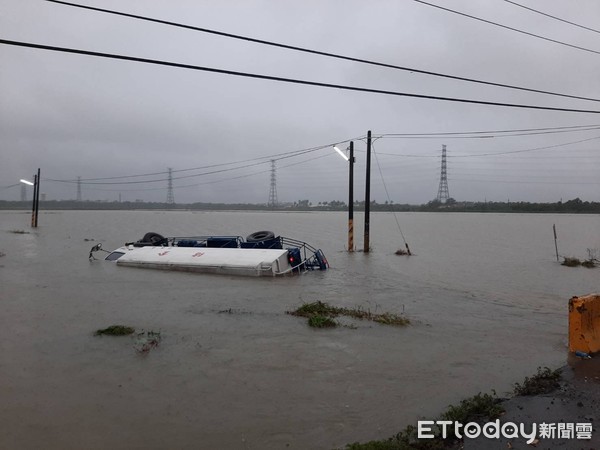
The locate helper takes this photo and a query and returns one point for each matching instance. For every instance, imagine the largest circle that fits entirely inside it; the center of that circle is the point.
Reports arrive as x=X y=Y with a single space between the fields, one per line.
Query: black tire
x=153 y=238
x=260 y=236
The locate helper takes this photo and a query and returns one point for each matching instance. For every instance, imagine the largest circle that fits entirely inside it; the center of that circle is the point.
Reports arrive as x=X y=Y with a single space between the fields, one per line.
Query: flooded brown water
x=486 y=297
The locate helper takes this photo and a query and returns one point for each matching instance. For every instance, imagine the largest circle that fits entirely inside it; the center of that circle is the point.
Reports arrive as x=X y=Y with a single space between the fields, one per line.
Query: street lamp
x=342 y=154
x=350 y=193
x=24 y=184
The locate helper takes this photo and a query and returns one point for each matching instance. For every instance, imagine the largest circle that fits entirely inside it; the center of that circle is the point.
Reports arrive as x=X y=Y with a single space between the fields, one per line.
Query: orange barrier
x=584 y=324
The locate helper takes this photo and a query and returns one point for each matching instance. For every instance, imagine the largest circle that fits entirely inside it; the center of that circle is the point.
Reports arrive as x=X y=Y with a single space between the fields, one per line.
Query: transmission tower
x=443 y=194
x=78 y=189
x=273 y=191
x=170 y=198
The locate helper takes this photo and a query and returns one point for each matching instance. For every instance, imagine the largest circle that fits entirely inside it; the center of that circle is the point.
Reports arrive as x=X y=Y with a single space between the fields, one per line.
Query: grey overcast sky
x=89 y=117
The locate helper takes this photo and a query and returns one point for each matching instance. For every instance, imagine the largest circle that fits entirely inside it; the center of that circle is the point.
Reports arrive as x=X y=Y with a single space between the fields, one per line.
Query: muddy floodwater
x=486 y=299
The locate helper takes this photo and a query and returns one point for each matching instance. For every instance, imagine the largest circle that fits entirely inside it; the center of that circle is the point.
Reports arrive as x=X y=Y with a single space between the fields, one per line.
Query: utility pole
x=351 y=199
x=367 y=193
x=36 y=200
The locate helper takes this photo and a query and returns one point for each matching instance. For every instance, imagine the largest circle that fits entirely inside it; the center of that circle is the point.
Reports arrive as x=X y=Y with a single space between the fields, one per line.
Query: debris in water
x=146 y=341
x=19 y=232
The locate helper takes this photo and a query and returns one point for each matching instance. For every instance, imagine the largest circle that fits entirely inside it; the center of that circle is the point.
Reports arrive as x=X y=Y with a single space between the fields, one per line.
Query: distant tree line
x=571 y=206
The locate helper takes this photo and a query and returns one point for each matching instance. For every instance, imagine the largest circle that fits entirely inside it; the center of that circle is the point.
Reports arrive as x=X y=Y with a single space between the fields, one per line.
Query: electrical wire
x=509 y=28
x=206 y=182
x=552 y=17
x=491 y=134
x=10 y=186
x=267 y=159
x=317 y=52
x=487 y=180
x=496 y=153
x=287 y=80
x=388 y=195
x=275 y=157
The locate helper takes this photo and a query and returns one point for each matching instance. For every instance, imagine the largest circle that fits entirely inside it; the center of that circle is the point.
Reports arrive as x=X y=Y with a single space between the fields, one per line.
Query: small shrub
x=571 y=262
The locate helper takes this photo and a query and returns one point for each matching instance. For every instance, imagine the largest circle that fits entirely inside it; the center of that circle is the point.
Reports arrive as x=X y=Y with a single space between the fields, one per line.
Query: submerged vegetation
x=590 y=263
x=322 y=315
x=570 y=261
x=144 y=340
x=319 y=321
x=115 y=330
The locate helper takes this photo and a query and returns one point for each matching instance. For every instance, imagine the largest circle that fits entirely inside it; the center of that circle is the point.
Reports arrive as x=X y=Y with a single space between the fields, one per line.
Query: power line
x=527 y=182
x=318 y=52
x=527 y=150
x=261 y=160
x=10 y=186
x=509 y=28
x=289 y=80
x=553 y=17
x=221 y=180
x=280 y=155
x=497 y=153
x=491 y=134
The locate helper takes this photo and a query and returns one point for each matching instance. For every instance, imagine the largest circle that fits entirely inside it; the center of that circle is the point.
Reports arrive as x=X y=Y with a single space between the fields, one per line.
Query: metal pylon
x=273 y=190
x=443 y=194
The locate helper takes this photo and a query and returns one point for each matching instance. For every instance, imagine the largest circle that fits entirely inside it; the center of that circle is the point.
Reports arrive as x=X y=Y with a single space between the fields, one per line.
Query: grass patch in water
x=318 y=307
x=19 y=232
x=115 y=330
x=323 y=311
x=319 y=321
x=571 y=262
